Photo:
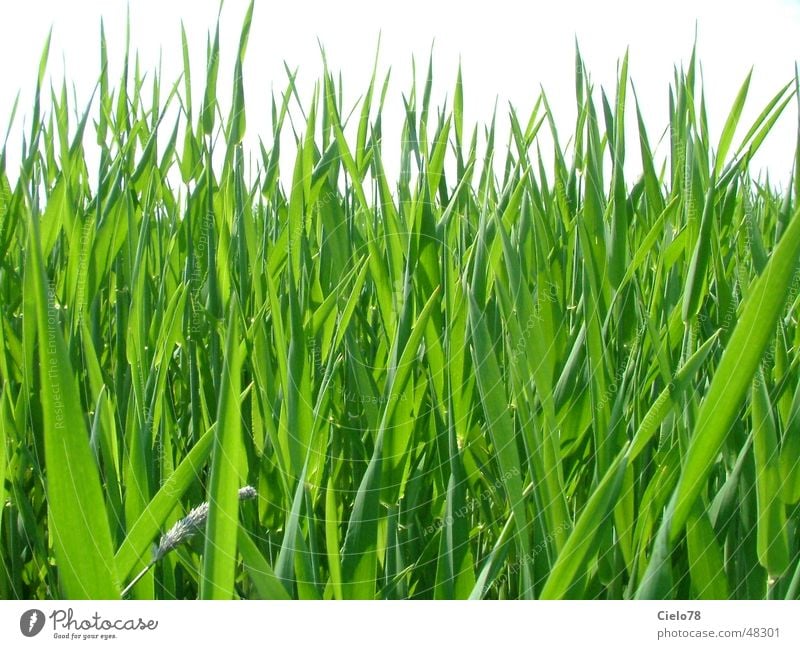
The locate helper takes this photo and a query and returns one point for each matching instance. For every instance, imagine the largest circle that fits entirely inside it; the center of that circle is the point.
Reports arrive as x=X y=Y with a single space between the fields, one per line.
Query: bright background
x=507 y=50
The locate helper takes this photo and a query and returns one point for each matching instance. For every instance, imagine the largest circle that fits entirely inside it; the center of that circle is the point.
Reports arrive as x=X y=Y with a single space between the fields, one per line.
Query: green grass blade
x=577 y=549
x=730 y=125
x=772 y=533
x=267 y=584
x=754 y=328
x=219 y=559
x=143 y=532
x=80 y=533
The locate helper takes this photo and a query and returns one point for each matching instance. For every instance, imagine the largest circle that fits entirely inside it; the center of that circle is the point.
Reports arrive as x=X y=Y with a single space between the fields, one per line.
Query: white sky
x=507 y=49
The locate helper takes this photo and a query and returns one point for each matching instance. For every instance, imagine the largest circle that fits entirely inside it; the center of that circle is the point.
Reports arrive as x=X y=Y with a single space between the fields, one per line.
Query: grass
x=488 y=377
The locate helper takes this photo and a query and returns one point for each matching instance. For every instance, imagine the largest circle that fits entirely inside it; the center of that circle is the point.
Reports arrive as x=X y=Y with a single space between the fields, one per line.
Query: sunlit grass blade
x=219 y=557
x=80 y=531
x=754 y=327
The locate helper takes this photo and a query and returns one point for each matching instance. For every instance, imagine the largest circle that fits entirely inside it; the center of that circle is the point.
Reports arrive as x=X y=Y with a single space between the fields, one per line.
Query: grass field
x=486 y=376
